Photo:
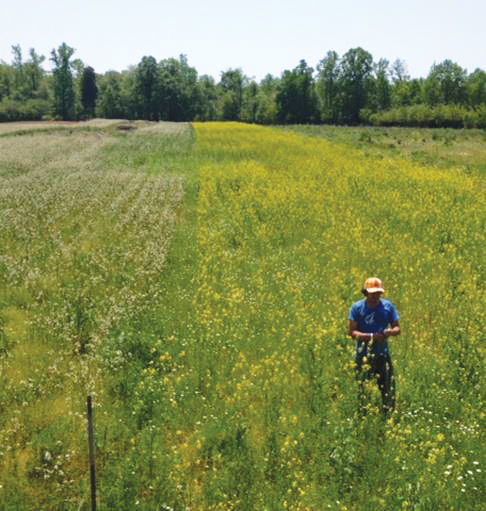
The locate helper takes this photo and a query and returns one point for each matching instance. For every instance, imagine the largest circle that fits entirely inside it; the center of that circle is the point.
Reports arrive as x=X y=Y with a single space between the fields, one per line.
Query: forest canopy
x=350 y=89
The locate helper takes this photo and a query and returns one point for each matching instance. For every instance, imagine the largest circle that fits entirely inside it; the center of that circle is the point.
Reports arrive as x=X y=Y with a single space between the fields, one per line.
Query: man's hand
x=380 y=337
x=393 y=331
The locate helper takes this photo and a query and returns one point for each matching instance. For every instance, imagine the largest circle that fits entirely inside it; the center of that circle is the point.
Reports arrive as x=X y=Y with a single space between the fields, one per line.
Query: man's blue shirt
x=373 y=320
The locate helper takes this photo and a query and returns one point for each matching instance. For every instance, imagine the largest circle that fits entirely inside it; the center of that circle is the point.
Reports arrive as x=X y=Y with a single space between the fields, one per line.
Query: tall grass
x=196 y=282
x=84 y=241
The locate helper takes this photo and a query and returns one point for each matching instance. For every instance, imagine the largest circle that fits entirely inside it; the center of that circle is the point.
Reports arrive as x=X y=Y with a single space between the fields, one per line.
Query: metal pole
x=92 y=465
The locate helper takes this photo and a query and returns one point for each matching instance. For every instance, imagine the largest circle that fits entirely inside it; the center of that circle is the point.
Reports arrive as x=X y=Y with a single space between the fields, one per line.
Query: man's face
x=373 y=298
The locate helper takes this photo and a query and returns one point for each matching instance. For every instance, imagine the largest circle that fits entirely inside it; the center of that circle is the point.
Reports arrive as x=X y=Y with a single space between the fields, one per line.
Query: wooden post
x=92 y=465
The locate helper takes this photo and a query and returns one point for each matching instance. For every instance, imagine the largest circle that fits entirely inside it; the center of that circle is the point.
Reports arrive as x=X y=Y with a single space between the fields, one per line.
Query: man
x=370 y=322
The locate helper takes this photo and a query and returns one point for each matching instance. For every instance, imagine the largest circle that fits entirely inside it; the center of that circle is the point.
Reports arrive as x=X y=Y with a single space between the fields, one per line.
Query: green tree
x=382 y=87
x=110 y=100
x=6 y=80
x=399 y=71
x=296 y=98
x=250 y=103
x=77 y=66
x=178 y=90
x=267 y=100
x=400 y=90
x=148 y=89
x=18 y=67
x=89 y=91
x=446 y=84
x=356 y=69
x=232 y=83
x=476 y=88
x=34 y=73
x=128 y=95
x=328 y=87
x=63 y=85
x=378 y=92
x=206 y=99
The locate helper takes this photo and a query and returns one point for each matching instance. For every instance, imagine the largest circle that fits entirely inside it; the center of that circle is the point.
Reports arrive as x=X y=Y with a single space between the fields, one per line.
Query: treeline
x=351 y=89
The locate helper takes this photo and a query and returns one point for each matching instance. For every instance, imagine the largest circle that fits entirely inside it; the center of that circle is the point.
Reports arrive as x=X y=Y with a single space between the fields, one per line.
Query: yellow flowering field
x=288 y=229
x=195 y=280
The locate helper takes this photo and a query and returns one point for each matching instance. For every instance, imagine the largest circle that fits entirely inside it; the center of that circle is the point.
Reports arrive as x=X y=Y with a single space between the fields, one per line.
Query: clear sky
x=257 y=36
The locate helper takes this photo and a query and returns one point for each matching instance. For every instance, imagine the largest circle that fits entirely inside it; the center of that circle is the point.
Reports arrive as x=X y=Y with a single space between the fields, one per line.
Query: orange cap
x=373 y=285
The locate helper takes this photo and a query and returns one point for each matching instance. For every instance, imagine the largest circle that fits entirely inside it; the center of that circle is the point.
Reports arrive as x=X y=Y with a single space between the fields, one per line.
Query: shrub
x=28 y=110
x=423 y=116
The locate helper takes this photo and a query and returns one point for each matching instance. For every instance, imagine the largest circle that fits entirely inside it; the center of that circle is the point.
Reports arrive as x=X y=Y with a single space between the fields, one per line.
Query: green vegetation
x=195 y=281
x=348 y=90
x=87 y=219
x=464 y=150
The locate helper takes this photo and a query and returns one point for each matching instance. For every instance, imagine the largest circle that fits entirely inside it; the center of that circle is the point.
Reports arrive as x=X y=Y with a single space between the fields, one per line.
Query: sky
x=257 y=36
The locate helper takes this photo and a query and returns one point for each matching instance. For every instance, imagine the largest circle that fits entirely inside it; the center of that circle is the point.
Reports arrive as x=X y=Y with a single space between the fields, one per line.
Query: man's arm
x=356 y=334
x=353 y=331
x=393 y=331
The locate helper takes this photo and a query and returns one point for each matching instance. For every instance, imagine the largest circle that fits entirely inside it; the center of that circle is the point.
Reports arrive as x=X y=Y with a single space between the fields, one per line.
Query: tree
x=446 y=84
x=129 y=100
x=267 y=100
x=296 y=100
x=400 y=88
x=18 y=67
x=356 y=68
x=34 y=72
x=178 y=90
x=250 y=103
x=327 y=86
x=77 y=66
x=399 y=72
x=206 y=99
x=148 y=88
x=110 y=103
x=382 y=88
x=232 y=84
x=476 y=88
x=89 y=91
x=6 y=80
x=64 y=97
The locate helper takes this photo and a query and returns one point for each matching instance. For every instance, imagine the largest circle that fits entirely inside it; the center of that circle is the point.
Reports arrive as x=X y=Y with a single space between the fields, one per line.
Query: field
x=463 y=149
x=195 y=281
